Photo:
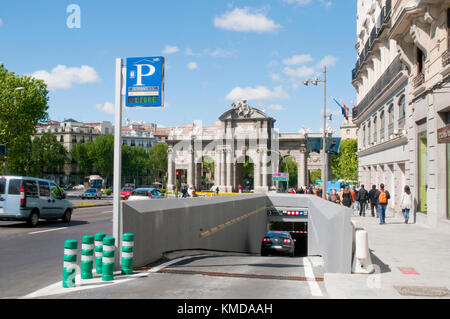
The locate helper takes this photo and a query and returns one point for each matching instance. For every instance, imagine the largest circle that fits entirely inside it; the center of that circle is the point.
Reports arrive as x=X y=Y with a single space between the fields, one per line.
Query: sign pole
x=117 y=218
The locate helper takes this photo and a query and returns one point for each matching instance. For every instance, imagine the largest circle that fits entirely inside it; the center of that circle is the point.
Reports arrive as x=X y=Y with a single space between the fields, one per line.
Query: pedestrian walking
x=406 y=203
x=334 y=197
x=347 y=199
x=383 y=197
x=373 y=200
x=240 y=189
x=217 y=191
x=362 y=197
x=184 y=192
x=341 y=195
x=354 y=192
x=301 y=190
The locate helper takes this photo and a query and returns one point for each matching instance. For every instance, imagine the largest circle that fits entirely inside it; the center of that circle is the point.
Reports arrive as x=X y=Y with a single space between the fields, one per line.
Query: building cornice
x=397 y=141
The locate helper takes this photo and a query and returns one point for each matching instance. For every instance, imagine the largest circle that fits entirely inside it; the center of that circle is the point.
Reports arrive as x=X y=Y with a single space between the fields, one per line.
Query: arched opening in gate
x=289 y=165
x=245 y=173
x=207 y=172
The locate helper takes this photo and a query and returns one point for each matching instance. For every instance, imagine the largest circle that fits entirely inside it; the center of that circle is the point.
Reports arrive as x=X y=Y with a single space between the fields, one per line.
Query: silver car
x=30 y=199
x=91 y=193
x=146 y=193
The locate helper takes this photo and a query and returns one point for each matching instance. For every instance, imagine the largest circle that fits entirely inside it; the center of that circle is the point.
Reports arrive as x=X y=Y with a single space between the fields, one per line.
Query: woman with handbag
x=406 y=203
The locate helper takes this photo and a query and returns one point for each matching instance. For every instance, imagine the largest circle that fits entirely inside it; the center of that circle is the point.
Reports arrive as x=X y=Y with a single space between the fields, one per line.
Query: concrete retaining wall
x=330 y=229
x=235 y=223
x=166 y=225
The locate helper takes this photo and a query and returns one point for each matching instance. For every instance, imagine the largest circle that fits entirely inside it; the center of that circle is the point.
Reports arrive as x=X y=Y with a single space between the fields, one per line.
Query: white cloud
x=63 y=77
x=245 y=20
x=276 y=107
x=258 y=93
x=220 y=53
x=192 y=65
x=189 y=52
x=275 y=77
x=299 y=2
x=325 y=3
x=300 y=72
x=170 y=49
x=298 y=59
x=108 y=107
x=328 y=61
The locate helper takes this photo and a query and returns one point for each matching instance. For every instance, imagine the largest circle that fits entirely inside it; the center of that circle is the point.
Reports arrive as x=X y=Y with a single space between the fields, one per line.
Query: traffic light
x=3 y=149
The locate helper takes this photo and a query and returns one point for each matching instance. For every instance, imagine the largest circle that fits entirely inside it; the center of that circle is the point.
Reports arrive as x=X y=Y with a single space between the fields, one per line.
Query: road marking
x=47 y=230
x=109 y=212
x=311 y=279
x=97 y=282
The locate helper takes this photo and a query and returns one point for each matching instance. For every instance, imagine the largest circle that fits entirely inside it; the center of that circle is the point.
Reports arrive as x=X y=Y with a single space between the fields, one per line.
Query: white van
x=30 y=199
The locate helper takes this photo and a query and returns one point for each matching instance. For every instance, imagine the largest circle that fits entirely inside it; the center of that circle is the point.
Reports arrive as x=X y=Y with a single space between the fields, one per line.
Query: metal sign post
x=117 y=222
x=144 y=87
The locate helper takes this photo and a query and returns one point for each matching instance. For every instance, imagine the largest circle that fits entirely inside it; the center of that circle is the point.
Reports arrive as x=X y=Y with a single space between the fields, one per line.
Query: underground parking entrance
x=294 y=221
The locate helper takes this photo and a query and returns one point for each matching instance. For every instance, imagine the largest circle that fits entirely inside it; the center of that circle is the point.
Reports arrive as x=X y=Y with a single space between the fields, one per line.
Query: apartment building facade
x=401 y=77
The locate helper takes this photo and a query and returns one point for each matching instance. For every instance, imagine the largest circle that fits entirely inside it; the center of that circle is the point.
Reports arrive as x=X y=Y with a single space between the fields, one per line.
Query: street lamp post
x=324 y=140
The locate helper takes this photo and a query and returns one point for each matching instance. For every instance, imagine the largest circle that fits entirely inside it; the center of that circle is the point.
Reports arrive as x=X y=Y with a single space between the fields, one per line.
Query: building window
x=420 y=60
x=364 y=136
x=106 y=130
x=391 y=119
x=382 y=125
x=132 y=143
x=401 y=112
x=375 y=131
x=61 y=138
x=423 y=171
x=369 y=135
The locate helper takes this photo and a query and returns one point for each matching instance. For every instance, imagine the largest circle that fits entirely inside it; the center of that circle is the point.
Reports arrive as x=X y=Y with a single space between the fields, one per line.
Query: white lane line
x=311 y=279
x=96 y=282
x=106 y=212
x=47 y=230
x=162 y=266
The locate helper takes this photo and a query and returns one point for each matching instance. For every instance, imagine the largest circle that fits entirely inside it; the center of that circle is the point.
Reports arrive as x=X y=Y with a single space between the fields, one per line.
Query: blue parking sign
x=145 y=82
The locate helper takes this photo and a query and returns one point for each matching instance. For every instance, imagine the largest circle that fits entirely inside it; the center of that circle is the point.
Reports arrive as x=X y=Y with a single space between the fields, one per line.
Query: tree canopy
x=23 y=104
x=345 y=164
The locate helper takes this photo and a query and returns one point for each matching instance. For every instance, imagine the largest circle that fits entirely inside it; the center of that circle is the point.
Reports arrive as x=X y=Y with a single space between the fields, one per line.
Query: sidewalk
x=423 y=255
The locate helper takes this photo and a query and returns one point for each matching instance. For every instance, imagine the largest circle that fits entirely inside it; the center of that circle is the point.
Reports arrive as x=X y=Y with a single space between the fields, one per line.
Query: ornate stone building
x=402 y=80
x=241 y=133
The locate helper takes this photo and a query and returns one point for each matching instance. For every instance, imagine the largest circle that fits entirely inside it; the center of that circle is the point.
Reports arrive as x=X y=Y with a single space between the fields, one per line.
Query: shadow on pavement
x=44 y=224
x=384 y=268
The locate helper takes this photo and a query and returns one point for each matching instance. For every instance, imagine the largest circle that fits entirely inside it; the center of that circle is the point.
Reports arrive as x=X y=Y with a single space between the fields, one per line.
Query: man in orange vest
x=382 y=197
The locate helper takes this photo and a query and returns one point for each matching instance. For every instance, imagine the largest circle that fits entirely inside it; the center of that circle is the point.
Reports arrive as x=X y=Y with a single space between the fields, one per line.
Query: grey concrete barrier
x=236 y=224
x=232 y=223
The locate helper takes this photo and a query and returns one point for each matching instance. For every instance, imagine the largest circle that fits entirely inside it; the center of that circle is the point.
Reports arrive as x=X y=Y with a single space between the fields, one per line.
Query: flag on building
x=344 y=110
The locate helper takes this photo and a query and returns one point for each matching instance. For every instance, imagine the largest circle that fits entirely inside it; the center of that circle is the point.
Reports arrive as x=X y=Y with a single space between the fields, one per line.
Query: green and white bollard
x=127 y=253
x=87 y=256
x=70 y=263
x=108 y=259
x=99 y=251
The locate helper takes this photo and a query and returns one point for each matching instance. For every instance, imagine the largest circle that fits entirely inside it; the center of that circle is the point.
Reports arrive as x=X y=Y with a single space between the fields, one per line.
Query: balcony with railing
x=391 y=72
x=418 y=80
x=376 y=30
x=446 y=58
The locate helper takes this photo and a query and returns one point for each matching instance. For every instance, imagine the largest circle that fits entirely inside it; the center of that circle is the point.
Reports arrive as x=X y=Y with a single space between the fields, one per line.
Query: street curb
x=88 y=205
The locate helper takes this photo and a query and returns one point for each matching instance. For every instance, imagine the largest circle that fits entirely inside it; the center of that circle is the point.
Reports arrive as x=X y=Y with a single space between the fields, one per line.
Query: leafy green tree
x=23 y=104
x=288 y=165
x=248 y=168
x=208 y=163
x=103 y=155
x=158 y=161
x=315 y=176
x=84 y=155
x=48 y=155
x=345 y=164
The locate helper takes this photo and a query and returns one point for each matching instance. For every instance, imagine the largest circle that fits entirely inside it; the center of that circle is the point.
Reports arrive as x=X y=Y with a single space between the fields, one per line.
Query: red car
x=125 y=193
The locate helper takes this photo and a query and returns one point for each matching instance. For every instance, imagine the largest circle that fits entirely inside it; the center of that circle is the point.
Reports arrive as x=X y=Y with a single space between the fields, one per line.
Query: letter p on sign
x=139 y=72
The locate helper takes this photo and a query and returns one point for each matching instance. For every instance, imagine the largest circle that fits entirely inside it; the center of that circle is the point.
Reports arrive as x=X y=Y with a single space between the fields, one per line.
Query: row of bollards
x=101 y=249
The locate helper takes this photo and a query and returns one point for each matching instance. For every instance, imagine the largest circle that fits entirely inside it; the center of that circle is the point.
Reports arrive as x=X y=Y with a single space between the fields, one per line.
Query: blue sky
x=216 y=52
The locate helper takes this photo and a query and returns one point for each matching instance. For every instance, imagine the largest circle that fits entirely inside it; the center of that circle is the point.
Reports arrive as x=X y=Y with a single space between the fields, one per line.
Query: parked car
x=125 y=193
x=91 y=193
x=145 y=193
x=30 y=199
x=78 y=187
x=278 y=242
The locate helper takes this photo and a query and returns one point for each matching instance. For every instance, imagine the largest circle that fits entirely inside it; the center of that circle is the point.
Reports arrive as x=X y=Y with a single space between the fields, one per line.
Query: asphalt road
x=32 y=258
x=31 y=261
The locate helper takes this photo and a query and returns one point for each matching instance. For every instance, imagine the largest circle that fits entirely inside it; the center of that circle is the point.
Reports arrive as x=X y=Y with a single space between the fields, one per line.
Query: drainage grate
x=420 y=291
x=224 y=274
